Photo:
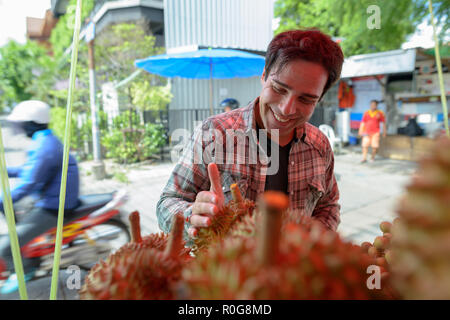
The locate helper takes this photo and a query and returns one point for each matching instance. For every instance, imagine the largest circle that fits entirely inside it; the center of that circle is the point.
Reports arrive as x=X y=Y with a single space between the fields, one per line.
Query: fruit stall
x=265 y=251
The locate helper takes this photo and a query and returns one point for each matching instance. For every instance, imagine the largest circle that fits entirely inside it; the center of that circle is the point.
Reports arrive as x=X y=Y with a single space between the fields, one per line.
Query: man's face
x=373 y=106
x=289 y=97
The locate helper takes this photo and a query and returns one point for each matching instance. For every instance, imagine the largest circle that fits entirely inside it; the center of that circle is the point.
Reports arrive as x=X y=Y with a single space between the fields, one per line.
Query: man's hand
x=207 y=203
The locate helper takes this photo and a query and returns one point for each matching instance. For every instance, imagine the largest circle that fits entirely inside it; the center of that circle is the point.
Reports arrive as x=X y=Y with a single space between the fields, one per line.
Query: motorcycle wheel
x=114 y=233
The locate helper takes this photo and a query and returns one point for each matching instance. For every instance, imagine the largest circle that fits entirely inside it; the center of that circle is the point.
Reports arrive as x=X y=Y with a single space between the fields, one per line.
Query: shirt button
x=293 y=163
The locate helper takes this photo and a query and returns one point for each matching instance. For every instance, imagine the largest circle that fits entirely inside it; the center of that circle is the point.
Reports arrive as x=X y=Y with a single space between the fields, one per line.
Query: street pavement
x=369 y=194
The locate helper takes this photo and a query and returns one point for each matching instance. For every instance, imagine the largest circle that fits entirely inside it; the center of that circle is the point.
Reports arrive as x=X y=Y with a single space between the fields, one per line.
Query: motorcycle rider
x=39 y=177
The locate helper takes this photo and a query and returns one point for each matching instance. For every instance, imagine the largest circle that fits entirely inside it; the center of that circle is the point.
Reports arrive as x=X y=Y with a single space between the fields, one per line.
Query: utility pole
x=98 y=167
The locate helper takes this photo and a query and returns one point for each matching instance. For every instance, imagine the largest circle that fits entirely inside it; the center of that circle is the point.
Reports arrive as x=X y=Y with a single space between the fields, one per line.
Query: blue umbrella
x=205 y=64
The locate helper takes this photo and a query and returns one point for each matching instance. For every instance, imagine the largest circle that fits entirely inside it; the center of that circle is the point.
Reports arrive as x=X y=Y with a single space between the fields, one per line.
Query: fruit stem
x=135 y=227
x=272 y=206
x=175 y=241
x=236 y=193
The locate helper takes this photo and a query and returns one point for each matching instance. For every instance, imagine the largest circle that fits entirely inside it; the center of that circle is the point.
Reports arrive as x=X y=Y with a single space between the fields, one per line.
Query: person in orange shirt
x=370 y=130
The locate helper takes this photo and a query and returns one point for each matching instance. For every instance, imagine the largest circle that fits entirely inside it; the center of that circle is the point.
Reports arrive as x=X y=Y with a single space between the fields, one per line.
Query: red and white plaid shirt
x=312 y=185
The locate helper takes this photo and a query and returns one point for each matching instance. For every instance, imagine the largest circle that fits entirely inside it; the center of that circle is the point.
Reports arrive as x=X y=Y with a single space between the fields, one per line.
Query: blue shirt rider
x=39 y=177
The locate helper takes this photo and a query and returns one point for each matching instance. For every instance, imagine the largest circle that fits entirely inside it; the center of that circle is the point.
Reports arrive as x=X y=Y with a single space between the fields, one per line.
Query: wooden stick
x=175 y=242
x=272 y=206
x=135 y=227
x=236 y=193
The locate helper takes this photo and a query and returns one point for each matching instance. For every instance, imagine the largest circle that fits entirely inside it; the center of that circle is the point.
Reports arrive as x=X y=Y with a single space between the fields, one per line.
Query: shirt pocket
x=228 y=180
x=315 y=193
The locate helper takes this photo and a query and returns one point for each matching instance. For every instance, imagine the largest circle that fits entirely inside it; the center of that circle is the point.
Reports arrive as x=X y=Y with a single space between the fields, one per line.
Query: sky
x=13 y=15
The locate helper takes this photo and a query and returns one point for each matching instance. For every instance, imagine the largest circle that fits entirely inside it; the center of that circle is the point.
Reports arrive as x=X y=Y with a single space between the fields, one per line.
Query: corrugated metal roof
x=239 y=24
x=389 y=62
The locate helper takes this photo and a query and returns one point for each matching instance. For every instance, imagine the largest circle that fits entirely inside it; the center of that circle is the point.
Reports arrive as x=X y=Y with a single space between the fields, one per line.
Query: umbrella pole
x=210 y=88
x=439 y=68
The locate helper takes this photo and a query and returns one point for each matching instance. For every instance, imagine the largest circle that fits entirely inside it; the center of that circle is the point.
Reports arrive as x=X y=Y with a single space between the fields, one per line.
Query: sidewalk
x=144 y=186
x=369 y=194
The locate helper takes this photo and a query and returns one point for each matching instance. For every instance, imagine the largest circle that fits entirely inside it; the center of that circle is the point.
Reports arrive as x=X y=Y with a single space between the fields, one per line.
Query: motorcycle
x=91 y=233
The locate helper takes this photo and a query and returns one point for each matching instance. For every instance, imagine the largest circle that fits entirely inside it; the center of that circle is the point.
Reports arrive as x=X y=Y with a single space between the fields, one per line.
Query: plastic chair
x=334 y=141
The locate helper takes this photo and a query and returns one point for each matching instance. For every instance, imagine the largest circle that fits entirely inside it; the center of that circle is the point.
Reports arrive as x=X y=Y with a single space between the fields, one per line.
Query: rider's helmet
x=30 y=116
x=229 y=104
x=31 y=110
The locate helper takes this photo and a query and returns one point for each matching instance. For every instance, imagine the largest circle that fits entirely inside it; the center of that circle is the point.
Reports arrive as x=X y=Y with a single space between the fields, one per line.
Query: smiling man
x=300 y=67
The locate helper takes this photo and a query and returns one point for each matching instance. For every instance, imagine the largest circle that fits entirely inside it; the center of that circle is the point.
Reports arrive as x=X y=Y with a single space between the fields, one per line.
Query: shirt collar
x=41 y=133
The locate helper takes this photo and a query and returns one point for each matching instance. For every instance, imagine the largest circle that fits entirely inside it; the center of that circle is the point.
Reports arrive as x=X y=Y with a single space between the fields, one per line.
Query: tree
x=62 y=35
x=119 y=46
x=116 y=50
x=22 y=68
x=355 y=21
x=365 y=26
x=441 y=12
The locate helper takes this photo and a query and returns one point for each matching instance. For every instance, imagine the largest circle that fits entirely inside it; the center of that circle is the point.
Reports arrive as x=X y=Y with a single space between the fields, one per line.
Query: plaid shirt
x=312 y=186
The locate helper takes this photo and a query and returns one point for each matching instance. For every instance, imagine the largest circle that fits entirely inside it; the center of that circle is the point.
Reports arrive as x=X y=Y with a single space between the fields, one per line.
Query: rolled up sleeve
x=327 y=209
x=189 y=177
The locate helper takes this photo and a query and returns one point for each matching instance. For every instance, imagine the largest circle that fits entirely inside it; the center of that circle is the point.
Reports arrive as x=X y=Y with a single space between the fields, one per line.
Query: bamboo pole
x=62 y=195
x=9 y=213
x=439 y=67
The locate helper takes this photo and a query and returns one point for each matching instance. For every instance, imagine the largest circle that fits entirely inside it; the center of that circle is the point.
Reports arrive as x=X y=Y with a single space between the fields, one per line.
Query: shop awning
x=381 y=63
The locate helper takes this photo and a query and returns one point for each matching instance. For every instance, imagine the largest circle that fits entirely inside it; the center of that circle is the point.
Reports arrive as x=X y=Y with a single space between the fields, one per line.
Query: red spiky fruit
x=421 y=232
x=232 y=213
x=281 y=262
x=146 y=268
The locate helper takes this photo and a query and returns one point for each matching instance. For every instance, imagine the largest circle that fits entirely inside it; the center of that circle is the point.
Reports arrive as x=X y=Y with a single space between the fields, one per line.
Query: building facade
x=234 y=24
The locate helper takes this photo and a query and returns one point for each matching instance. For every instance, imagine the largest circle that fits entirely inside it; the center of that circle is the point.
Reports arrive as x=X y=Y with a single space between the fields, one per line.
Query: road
x=368 y=192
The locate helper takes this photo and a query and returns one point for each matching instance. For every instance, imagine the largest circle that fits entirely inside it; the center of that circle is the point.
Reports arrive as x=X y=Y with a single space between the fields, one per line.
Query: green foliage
x=441 y=12
x=24 y=69
x=129 y=141
x=58 y=125
x=62 y=34
x=61 y=39
x=349 y=20
x=119 y=46
x=121 y=177
x=148 y=97
x=81 y=132
x=28 y=72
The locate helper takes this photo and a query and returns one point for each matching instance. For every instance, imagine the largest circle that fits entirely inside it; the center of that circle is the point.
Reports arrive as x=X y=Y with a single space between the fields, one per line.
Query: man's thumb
x=214 y=178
